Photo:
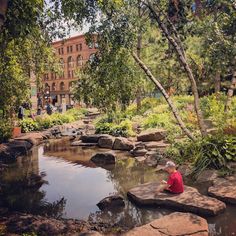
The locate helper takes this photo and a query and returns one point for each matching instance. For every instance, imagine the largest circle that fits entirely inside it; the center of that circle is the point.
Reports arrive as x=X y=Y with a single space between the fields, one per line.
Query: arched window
x=79 y=60
x=53 y=86
x=70 y=62
x=91 y=57
x=62 y=86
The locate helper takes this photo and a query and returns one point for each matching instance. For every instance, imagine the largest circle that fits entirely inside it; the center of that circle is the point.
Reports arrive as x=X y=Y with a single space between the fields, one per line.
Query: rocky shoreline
x=148 y=148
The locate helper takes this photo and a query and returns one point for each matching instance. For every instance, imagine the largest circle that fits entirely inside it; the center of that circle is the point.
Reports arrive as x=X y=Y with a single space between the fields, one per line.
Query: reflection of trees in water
x=126 y=174
x=24 y=195
x=129 y=173
x=20 y=189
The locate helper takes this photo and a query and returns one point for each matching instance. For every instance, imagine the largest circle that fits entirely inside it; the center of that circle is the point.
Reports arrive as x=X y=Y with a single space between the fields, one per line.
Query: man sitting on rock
x=174 y=183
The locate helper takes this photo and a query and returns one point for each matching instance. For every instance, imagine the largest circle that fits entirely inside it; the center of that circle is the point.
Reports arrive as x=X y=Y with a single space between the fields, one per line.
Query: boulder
x=172 y=225
x=123 y=144
x=207 y=176
x=185 y=170
x=35 y=138
x=81 y=144
x=20 y=224
x=91 y=138
x=10 y=151
x=138 y=151
x=189 y=201
x=154 y=135
x=91 y=233
x=110 y=202
x=151 y=160
x=224 y=190
x=156 y=145
x=140 y=158
x=106 y=142
x=106 y=158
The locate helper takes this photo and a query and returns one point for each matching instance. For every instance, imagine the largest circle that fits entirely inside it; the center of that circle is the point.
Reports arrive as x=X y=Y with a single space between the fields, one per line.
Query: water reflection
x=72 y=186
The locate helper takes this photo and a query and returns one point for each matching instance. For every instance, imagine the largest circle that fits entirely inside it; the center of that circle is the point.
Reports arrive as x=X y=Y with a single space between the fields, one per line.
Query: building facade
x=72 y=53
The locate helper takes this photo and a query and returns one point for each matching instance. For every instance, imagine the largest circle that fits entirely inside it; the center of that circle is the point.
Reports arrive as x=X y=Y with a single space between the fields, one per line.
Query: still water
x=74 y=185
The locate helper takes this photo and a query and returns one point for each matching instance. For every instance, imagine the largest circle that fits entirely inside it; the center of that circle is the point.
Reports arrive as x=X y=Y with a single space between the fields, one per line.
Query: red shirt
x=175 y=182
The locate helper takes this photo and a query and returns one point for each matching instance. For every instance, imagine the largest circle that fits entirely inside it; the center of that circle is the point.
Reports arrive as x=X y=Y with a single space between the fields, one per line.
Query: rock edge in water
x=189 y=201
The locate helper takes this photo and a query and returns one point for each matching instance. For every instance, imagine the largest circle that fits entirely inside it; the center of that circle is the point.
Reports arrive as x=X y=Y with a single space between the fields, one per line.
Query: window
x=59 y=51
x=69 y=74
x=71 y=84
x=46 y=77
x=77 y=47
x=47 y=86
x=70 y=62
x=79 y=60
x=53 y=87
x=61 y=61
x=52 y=76
x=62 y=50
x=71 y=48
x=80 y=46
x=62 y=86
x=68 y=49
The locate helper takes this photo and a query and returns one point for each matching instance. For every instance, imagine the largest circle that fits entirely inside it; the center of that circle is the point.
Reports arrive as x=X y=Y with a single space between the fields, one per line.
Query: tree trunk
x=217 y=82
x=230 y=92
x=139 y=47
x=3 y=10
x=138 y=96
x=165 y=94
x=175 y=42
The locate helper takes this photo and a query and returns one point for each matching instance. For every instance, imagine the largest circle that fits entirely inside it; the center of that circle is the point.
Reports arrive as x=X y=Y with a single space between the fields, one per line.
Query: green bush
x=28 y=125
x=46 y=121
x=123 y=129
x=5 y=130
x=211 y=152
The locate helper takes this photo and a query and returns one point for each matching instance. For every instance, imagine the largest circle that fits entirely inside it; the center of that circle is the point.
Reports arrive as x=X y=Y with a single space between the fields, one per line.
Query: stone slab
x=172 y=225
x=224 y=190
x=188 y=201
x=152 y=135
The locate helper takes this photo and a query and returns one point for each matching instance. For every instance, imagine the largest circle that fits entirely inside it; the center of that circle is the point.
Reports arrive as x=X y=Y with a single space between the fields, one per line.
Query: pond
x=74 y=185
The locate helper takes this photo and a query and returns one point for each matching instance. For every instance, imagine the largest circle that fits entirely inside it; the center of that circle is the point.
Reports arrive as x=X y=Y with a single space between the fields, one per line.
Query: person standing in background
x=21 y=112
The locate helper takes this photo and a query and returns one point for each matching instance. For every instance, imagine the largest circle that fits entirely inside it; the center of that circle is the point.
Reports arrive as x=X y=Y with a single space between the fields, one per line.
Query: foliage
x=5 y=130
x=46 y=121
x=213 y=108
x=124 y=128
x=211 y=152
x=109 y=81
x=28 y=125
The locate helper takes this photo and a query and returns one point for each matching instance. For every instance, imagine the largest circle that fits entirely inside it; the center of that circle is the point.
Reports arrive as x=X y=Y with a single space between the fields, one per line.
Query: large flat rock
x=152 y=135
x=189 y=201
x=176 y=224
x=224 y=190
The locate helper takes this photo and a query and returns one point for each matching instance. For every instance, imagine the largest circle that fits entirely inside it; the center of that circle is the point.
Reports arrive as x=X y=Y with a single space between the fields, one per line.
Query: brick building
x=72 y=53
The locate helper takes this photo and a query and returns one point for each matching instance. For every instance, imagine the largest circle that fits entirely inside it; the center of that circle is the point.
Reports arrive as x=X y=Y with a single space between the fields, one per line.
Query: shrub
x=123 y=129
x=210 y=152
x=182 y=101
x=146 y=104
x=5 y=130
x=215 y=152
x=156 y=120
x=28 y=125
